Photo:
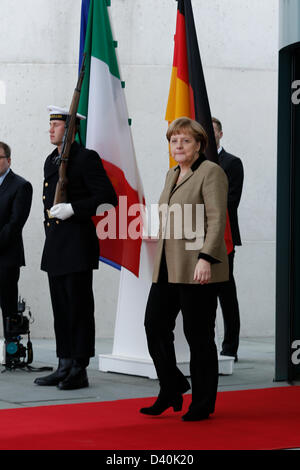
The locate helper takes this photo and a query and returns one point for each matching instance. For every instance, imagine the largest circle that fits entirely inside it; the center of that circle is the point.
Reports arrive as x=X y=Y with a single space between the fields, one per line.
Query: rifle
x=61 y=187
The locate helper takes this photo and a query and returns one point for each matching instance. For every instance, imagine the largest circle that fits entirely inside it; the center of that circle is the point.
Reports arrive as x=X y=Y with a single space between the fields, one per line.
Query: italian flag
x=188 y=96
x=107 y=131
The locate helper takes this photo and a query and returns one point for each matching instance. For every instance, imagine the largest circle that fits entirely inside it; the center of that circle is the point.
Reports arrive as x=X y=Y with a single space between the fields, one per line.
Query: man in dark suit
x=15 y=204
x=233 y=168
x=71 y=252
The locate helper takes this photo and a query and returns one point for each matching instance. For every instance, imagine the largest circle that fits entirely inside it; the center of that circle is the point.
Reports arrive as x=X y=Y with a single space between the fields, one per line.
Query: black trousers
x=198 y=305
x=9 y=278
x=230 y=310
x=73 y=309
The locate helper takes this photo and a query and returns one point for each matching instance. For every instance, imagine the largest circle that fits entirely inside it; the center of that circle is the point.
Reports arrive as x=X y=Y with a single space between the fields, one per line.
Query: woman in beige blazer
x=191 y=259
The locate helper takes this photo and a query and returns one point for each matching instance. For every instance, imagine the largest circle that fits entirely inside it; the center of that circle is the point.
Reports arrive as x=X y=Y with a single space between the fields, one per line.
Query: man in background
x=233 y=168
x=15 y=204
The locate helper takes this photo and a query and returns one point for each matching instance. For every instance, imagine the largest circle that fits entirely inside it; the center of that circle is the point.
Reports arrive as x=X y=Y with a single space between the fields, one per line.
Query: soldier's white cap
x=60 y=114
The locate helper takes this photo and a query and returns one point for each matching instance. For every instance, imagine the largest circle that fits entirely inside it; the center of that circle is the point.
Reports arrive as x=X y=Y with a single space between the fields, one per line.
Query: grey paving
x=255 y=369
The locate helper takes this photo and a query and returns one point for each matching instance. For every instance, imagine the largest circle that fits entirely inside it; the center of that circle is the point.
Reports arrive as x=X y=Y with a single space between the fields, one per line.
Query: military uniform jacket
x=204 y=184
x=15 y=204
x=72 y=245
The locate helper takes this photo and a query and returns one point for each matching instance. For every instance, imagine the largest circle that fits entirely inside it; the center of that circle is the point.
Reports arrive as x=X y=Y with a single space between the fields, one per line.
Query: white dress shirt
x=3 y=176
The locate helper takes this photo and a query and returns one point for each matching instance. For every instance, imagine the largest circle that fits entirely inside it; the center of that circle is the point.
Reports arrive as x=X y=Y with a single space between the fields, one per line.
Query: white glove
x=62 y=211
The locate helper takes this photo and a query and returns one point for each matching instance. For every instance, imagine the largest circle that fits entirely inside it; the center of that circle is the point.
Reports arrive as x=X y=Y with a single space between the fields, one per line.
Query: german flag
x=188 y=95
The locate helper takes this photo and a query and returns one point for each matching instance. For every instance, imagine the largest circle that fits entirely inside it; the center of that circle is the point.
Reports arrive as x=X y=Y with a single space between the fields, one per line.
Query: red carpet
x=244 y=420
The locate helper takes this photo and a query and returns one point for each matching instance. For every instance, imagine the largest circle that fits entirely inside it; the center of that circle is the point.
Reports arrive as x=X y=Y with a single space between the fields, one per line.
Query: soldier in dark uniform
x=71 y=252
x=15 y=204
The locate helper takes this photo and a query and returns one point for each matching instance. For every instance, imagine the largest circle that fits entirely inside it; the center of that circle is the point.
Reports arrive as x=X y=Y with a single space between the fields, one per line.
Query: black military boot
x=64 y=367
x=77 y=377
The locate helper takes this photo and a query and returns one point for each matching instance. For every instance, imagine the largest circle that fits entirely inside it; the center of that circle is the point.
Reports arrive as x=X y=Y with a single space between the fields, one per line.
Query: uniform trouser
x=9 y=278
x=230 y=311
x=73 y=309
x=198 y=305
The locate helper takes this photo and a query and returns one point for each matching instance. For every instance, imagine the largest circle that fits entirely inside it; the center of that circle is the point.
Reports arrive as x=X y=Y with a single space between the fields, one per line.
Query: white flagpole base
x=130 y=352
x=144 y=368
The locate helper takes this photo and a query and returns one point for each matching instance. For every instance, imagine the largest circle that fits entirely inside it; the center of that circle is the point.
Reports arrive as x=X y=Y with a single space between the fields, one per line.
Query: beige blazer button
x=46 y=184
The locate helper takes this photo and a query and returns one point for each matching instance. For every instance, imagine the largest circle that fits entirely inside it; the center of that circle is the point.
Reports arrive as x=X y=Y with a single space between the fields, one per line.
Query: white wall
x=238 y=42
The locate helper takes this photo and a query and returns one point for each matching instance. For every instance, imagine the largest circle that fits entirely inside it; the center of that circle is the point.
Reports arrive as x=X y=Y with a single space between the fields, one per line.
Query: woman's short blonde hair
x=185 y=124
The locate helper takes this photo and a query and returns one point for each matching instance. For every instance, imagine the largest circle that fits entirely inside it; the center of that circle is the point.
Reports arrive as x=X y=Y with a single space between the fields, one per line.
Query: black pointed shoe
x=63 y=370
x=76 y=379
x=162 y=403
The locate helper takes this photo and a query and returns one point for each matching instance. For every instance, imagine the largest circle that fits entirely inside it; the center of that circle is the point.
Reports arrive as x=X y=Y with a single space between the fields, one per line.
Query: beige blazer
x=201 y=198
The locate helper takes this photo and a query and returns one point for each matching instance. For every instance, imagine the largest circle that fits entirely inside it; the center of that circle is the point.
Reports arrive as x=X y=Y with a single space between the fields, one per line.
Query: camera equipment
x=15 y=351
x=16 y=354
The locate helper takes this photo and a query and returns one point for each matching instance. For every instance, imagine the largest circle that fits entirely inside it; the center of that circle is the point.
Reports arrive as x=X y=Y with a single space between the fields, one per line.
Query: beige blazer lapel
x=184 y=180
x=172 y=182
